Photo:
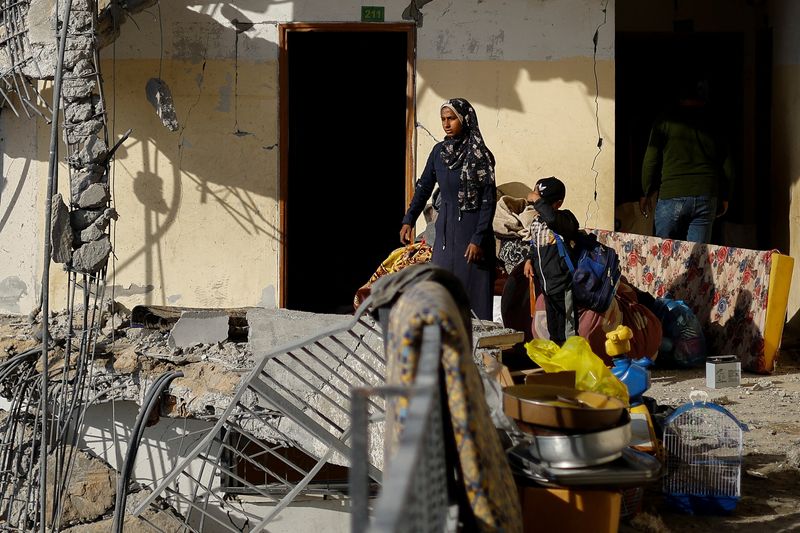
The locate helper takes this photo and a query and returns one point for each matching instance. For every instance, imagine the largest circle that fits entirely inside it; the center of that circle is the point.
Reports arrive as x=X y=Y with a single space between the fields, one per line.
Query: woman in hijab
x=463 y=167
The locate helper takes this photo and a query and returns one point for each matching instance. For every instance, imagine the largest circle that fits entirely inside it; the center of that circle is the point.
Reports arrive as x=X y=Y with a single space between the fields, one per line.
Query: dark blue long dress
x=456 y=230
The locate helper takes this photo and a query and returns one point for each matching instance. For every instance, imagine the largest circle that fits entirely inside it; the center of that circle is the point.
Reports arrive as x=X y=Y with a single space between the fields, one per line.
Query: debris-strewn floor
x=767 y=404
x=771 y=473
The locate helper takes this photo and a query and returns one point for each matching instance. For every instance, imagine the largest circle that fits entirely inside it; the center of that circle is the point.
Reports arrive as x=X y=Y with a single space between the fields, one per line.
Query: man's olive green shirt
x=686 y=157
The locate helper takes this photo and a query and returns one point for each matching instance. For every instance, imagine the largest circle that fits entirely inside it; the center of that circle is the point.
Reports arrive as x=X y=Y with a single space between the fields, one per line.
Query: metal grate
x=298 y=397
x=414 y=496
x=703 y=446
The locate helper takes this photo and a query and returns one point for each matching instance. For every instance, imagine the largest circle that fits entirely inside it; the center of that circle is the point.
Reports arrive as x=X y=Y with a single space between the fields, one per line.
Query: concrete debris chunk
x=81 y=181
x=199 y=327
x=113 y=323
x=91 y=491
x=84 y=67
x=94 y=151
x=275 y=327
x=72 y=90
x=79 y=42
x=81 y=219
x=92 y=256
x=60 y=231
x=82 y=131
x=80 y=20
x=762 y=384
x=71 y=57
x=95 y=195
x=152 y=519
x=159 y=95
x=92 y=233
x=78 y=111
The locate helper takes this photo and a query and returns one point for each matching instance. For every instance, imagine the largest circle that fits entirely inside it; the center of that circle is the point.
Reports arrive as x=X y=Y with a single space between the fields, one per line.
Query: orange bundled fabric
x=400 y=258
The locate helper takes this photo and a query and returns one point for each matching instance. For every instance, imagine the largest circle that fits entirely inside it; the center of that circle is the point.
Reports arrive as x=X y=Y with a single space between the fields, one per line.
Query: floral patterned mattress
x=726 y=287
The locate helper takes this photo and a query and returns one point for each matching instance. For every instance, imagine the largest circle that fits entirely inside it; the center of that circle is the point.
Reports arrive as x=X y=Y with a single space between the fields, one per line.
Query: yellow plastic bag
x=591 y=373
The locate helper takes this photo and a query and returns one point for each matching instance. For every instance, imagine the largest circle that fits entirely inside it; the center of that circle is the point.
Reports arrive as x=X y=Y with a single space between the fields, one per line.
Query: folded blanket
x=513 y=217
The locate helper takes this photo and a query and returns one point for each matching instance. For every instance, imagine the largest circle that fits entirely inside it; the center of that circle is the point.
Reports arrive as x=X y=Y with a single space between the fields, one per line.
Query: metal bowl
x=561 y=408
x=579 y=450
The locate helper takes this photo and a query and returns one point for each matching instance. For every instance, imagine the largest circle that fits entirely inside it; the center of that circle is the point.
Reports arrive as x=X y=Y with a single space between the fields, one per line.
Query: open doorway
x=650 y=68
x=346 y=156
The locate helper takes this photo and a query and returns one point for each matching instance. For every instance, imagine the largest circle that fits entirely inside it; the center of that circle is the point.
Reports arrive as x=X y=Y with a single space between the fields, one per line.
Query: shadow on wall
x=200 y=138
x=108 y=433
x=502 y=93
x=194 y=150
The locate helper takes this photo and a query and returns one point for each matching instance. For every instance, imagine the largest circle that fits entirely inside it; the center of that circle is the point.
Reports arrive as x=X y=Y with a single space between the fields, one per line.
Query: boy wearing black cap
x=545 y=264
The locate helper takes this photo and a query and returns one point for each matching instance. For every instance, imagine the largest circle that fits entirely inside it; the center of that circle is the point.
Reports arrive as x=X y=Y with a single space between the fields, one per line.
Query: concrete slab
x=199 y=327
x=271 y=328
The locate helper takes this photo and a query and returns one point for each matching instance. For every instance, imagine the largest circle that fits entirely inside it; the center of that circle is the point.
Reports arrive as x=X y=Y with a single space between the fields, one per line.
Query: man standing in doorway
x=688 y=166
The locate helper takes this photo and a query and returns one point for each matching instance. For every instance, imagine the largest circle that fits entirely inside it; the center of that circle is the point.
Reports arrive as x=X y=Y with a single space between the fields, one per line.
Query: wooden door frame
x=283 y=113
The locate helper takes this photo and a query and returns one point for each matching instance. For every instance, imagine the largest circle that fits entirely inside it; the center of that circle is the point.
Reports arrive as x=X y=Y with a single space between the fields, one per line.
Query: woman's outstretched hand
x=406 y=234
x=473 y=253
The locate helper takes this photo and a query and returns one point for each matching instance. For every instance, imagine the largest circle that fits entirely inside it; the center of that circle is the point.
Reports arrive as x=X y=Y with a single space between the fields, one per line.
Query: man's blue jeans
x=688 y=218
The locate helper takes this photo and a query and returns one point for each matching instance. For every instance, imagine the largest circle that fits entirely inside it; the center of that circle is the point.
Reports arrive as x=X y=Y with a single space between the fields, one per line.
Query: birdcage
x=703 y=447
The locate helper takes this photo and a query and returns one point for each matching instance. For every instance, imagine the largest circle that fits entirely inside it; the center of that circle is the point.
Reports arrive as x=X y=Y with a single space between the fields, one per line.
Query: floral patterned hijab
x=468 y=152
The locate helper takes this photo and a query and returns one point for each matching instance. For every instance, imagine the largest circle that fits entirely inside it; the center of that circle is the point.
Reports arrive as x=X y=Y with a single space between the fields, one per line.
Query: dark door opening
x=649 y=67
x=345 y=111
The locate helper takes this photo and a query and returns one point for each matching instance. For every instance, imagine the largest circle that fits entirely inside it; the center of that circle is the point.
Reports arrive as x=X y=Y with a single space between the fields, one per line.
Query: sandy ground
x=770 y=484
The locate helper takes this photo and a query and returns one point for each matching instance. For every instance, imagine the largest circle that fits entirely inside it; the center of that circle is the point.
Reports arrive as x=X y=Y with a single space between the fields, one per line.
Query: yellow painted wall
x=538 y=118
x=21 y=213
x=198 y=207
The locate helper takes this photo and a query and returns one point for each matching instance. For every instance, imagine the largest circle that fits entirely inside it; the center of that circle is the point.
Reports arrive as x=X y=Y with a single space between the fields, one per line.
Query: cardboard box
x=723 y=371
x=569 y=510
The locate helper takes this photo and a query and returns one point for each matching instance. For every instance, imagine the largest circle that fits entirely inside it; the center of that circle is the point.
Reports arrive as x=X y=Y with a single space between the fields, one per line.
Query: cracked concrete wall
x=528 y=69
x=204 y=199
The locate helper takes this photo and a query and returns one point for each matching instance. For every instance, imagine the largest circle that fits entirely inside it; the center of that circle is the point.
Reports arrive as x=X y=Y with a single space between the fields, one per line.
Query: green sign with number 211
x=371 y=13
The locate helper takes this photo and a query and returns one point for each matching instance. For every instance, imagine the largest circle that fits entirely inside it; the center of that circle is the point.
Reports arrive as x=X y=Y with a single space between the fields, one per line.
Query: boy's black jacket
x=553 y=275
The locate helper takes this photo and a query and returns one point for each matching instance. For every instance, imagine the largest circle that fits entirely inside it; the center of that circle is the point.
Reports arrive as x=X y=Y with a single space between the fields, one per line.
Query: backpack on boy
x=596 y=273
